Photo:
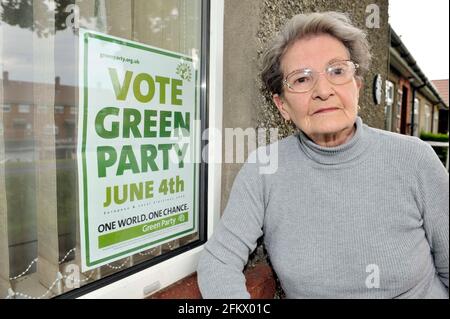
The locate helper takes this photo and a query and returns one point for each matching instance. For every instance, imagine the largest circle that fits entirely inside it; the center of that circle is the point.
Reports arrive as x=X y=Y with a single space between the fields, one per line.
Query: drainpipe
x=432 y=117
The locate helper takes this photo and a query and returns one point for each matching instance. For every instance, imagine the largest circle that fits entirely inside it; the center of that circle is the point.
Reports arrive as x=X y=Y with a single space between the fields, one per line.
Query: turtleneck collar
x=340 y=154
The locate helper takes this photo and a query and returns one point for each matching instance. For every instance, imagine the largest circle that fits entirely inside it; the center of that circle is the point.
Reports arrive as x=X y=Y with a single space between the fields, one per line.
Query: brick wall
x=260 y=285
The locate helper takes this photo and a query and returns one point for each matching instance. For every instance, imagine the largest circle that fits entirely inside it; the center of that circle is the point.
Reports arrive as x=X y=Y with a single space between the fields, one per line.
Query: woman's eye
x=302 y=79
x=337 y=71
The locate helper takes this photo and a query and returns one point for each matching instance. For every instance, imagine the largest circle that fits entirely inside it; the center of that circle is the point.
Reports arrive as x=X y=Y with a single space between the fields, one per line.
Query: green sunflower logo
x=184 y=71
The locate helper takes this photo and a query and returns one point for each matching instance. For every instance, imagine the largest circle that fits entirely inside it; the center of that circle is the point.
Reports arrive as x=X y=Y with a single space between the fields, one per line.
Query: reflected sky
x=19 y=40
x=17 y=57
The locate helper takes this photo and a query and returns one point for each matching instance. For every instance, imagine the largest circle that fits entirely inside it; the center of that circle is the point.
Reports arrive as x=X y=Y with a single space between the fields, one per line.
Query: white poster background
x=98 y=53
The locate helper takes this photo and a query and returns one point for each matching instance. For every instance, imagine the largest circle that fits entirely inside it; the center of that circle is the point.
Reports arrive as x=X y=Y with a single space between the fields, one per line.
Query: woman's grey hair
x=300 y=26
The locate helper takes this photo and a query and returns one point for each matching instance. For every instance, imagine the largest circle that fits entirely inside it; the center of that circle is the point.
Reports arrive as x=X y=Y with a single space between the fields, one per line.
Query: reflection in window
x=436 y=120
x=416 y=117
x=24 y=108
x=398 y=110
x=416 y=106
x=6 y=108
x=59 y=109
x=38 y=51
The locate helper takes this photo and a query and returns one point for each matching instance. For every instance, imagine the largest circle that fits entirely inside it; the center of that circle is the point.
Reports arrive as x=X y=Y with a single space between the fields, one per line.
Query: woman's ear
x=359 y=82
x=281 y=106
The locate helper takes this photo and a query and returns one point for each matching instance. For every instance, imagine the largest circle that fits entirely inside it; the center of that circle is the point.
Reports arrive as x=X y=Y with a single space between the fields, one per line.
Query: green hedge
x=434 y=137
x=440 y=151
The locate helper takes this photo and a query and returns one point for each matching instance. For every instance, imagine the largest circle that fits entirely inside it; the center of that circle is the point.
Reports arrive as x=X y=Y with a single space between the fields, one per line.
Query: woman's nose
x=322 y=88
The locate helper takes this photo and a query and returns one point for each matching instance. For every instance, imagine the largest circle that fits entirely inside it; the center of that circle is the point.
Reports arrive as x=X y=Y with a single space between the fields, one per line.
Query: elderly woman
x=352 y=211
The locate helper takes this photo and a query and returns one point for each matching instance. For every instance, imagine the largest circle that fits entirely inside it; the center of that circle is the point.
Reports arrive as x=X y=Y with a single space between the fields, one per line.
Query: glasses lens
x=340 y=72
x=301 y=81
x=337 y=73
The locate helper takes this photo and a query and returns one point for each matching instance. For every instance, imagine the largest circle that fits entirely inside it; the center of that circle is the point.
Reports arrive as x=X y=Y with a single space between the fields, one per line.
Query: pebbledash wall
x=248 y=26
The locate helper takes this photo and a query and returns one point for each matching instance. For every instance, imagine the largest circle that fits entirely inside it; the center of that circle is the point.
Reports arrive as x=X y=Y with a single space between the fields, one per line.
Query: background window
x=427 y=126
x=389 y=92
x=416 y=117
x=388 y=106
x=416 y=107
x=436 y=120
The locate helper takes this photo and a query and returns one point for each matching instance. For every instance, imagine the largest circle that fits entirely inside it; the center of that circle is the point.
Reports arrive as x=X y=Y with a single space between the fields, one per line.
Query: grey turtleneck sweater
x=367 y=219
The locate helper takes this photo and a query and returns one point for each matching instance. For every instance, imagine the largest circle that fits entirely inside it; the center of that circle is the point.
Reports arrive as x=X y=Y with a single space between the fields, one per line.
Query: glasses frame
x=286 y=83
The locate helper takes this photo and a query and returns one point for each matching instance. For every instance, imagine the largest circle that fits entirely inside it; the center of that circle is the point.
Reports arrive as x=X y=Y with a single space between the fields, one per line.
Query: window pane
x=40 y=125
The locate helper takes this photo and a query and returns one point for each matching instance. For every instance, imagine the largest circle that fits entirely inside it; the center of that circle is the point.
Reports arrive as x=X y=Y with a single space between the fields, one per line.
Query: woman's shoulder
x=397 y=139
x=282 y=146
x=267 y=159
x=399 y=144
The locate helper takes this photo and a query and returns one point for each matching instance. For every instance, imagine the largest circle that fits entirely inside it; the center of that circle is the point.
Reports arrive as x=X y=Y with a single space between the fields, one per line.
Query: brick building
x=413 y=102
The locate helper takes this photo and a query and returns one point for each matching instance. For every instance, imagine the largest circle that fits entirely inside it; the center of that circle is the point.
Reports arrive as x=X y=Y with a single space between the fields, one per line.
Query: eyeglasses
x=339 y=72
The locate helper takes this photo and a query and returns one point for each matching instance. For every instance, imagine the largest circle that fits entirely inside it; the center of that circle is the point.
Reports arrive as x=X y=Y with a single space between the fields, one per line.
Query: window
x=427 y=126
x=388 y=106
x=57 y=242
x=389 y=92
x=24 y=108
x=6 y=108
x=59 y=109
x=416 y=107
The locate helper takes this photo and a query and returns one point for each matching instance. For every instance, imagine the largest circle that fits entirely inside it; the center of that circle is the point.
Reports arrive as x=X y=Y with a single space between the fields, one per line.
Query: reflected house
x=20 y=127
x=19 y=123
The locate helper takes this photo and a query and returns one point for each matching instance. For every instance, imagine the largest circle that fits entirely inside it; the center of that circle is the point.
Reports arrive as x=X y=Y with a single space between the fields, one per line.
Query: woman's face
x=327 y=108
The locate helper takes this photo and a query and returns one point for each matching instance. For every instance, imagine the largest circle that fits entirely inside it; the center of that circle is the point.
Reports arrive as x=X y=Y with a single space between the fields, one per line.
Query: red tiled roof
x=442 y=87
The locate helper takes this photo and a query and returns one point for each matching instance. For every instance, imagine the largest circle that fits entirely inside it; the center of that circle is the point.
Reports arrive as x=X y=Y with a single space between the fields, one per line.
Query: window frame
x=150 y=276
